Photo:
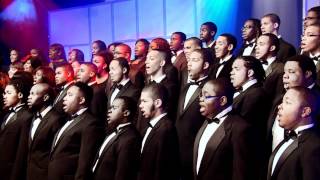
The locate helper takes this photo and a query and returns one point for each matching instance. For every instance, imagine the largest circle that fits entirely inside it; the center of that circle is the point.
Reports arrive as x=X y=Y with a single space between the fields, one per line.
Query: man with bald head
x=45 y=124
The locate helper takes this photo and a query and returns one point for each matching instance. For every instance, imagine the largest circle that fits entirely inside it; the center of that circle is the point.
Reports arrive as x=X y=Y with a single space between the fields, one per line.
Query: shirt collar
x=211 y=44
x=159 y=79
x=311 y=86
x=226 y=58
x=124 y=82
x=253 y=41
x=249 y=84
x=270 y=60
x=120 y=126
x=304 y=127
x=224 y=113
x=45 y=111
x=18 y=107
x=92 y=83
x=315 y=55
x=155 y=120
x=198 y=80
x=81 y=111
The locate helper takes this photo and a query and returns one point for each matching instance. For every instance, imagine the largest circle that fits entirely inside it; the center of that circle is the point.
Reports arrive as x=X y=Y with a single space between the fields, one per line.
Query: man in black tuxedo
x=224 y=47
x=312 y=17
x=189 y=119
x=297 y=157
x=13 y=132
x=118 y=157
x=122 y=85
x=310 y=45
x=45 y=124
x=250 y=33
x=250 y=101
x=270 y=23
x=64 y=79
x=226 y=146
x=298 y=71
x=76 y=143
x=207 y=32
x=160 y=149
x=189 y=46
x=266 y=51
x=178 y=58
x=87 y=74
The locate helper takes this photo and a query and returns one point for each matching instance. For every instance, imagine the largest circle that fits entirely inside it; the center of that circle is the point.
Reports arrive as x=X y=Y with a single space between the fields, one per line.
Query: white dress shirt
x=192 y=88
x=16 y=109
x=67 y=124
x=159 y=79
x=287 y=144
x=269 y=60
x=60 y=93
x=153 y=122
x=174 y=57
x=222 y=65
x=208 y=133
x=248 y=50
x=37 y=121
x=246 y=86
x=116 y=91
x=107 y=140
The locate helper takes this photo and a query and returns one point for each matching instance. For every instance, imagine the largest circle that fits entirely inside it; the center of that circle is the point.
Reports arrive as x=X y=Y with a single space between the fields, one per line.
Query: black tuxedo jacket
x=188 y=122
x=137 y=73
x=286 y=50
x=243 y=47
x=120 y=157
x=300 y=161
x=253 y=105
x=273 y=84
x=98 y=106
x=171 y=72
x=40 y=146
x=173 y=91
x=180 y=62
x=73 y=155
x=129 y=90
x=160 y=155
x=225 y=72
x=14 y=145
x=230 y=153
x=58 y=102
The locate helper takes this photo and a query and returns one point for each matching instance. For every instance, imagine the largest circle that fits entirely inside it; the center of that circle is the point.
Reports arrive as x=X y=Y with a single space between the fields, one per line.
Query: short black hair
x=273 y=17
x=123 y=63
x=182 y=35
x=231 y=39
x=158 y=91
x=21 y=86
x=86 y=90
x=59 y=47
x=212 y=26
x=206 y=55
x=129 y=104
x=315 y=9
x=274 y=41
x=306 y=64
x=196 y=40
x=102 y=46
x=223 y=87
x=251 y=62
x=256 y=24
x=79 y=55
x=67 y=67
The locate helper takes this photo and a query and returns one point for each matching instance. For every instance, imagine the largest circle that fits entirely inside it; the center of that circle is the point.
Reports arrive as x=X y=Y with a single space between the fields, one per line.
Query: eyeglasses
x=310 y=18
x=201 y=96
x=246 y=27
x=310 y=35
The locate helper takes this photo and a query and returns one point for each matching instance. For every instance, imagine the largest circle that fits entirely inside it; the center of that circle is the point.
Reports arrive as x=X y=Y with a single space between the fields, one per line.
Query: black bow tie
x=37 y=115
x=249 y=44
x=316 y=58
x=222 y=63
x=193 y=83
x=210 y=120
x=11 y=110
x=240 y=89
x=289 y=135
x=264 y=62
x=73 y=117
x=116 y=86
x=150 y=125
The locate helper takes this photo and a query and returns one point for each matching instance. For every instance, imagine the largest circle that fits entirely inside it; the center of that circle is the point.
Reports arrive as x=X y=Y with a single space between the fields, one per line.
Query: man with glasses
x=250 y=33
x=225 y=145
x=313 y=17
x=310 y=45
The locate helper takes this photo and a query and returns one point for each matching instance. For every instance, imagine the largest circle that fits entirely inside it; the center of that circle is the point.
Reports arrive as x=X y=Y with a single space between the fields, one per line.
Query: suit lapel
x=212 y=146
x=151 y=134
x=75 y=121
x=42 y=123
x=4 y=121
x=123 y=89
x=196 y=146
